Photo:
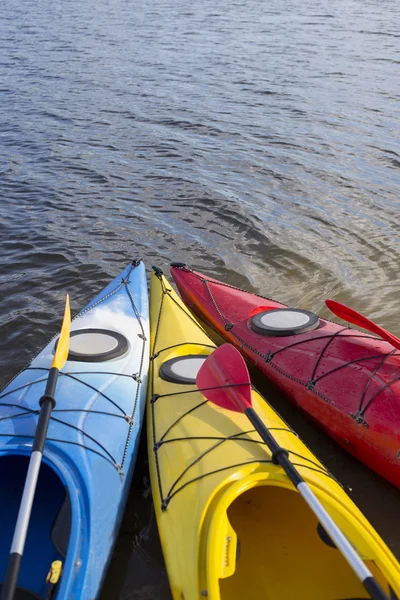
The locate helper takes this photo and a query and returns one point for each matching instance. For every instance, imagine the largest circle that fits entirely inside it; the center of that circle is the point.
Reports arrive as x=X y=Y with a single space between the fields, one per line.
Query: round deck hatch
x=284 y=321
x=182 y=369
x=96 y=345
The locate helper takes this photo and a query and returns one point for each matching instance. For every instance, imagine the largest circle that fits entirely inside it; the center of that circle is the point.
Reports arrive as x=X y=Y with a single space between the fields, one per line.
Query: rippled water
x=257 y=141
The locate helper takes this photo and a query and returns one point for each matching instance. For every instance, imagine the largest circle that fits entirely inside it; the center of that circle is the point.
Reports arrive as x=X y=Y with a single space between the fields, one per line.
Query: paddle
x=224 y=380
x=352 y=316
x=47 y=404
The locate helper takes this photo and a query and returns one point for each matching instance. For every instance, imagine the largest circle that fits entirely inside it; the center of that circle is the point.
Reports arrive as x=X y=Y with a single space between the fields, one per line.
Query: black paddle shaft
x=280 y=456
x=47 y=403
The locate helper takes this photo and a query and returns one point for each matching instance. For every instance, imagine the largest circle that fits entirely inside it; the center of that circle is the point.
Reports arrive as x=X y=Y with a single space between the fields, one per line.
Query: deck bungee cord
x=347 y=381
x=136 y=377
x=91 y=445
x=231 y=522
x=155 y=351
x=312 y=382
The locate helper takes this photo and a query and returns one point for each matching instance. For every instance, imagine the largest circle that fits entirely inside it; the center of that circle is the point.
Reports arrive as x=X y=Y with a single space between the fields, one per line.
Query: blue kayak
x=91 y=445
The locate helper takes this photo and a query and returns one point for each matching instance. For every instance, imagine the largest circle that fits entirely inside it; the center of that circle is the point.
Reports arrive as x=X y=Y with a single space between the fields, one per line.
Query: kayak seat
x=269 y=551
x=23 y=594
x=61 y=528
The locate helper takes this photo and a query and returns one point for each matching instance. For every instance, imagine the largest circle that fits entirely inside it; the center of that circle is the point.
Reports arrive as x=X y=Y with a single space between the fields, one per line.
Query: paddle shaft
x=281 y=456
x=47 y=404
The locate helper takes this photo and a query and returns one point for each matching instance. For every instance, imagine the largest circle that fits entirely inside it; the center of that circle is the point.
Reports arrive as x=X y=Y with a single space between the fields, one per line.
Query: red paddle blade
x=225 y=370
x=352 y=316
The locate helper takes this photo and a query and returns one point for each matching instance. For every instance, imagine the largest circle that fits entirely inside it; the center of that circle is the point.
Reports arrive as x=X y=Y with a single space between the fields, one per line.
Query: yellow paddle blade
x=62 y=349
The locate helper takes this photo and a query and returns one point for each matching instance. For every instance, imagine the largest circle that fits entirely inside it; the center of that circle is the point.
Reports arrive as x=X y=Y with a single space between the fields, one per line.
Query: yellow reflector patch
x=55 y=572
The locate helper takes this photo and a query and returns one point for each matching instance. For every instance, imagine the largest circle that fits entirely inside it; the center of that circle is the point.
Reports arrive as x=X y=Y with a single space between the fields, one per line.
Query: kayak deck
x=231 y=524
x=347 y=381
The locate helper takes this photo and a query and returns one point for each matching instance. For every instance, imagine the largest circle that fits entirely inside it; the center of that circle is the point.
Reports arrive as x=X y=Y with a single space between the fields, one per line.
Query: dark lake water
x=257 y=141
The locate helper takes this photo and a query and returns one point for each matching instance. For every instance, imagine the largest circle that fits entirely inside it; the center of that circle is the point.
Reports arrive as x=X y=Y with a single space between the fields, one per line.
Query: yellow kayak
x=231 y=523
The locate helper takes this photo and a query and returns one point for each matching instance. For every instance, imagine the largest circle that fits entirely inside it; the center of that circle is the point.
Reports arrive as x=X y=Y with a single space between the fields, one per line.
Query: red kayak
x=347 y=381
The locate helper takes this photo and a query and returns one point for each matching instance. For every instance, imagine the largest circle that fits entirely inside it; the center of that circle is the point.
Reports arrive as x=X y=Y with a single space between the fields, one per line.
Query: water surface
x=258 y=142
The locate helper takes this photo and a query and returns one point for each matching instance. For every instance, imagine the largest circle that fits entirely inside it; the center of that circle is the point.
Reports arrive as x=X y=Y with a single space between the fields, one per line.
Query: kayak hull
x=346 y=381
x=231 y=523
x=92 y=440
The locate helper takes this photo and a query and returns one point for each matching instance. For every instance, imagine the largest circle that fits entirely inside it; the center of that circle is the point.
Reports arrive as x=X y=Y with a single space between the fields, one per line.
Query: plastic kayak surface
x=347 y=381
x=91 y=445
x=231 y=523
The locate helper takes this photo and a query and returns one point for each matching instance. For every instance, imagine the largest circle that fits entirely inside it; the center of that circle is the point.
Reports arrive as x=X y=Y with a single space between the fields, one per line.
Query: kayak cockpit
x=272 y=547
x=49 y=527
